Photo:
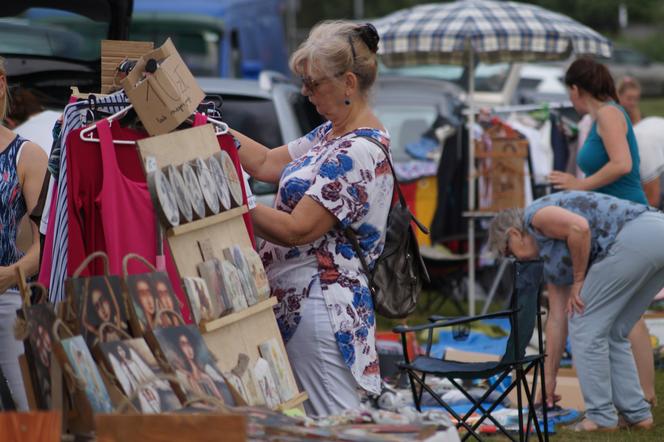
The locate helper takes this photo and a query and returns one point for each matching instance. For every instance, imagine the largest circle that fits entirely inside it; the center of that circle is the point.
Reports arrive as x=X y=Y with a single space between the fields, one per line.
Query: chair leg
x=545 y=417
x=477 y=405
x=455 y=415
x=530 y=396
x=416 y=398
x=519 y=379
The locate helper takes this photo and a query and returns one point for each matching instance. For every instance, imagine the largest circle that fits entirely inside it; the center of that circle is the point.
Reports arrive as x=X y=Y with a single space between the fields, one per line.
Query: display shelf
x=207 y=221
x=239 y=316
x=294 y=402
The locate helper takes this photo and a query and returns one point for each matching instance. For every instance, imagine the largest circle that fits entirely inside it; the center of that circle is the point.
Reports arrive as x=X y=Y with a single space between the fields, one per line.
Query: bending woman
x=613 y=250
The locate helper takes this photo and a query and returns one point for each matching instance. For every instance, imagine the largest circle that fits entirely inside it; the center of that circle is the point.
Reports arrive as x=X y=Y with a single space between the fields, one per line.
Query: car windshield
x=53 y=33
x=488 y=77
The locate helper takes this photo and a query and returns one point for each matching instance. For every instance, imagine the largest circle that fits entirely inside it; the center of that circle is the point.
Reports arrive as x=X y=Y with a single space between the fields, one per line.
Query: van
x=226 y=38
x=216 y=38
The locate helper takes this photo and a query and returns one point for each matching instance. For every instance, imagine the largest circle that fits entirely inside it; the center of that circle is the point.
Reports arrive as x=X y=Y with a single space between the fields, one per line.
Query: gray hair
x=505 y=220
x=328 y=52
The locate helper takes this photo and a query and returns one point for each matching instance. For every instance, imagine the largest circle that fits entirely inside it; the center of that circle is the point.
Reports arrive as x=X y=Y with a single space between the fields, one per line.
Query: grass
x=426 y=308
x=651 y=107
x=656 y=434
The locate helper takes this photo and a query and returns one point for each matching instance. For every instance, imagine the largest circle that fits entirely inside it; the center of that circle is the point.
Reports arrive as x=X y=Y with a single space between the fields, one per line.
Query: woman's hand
x=7 y=278
x=575 y=303
x=564 y=181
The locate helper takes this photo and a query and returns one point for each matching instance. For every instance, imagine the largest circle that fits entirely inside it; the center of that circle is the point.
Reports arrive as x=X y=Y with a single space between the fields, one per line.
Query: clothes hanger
x=88 y=130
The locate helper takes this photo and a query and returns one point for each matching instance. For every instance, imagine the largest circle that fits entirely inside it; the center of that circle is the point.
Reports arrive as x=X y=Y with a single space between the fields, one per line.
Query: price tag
x=150 y=164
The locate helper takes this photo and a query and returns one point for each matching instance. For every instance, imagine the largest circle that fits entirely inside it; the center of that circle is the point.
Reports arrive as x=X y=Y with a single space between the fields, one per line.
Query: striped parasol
x=488 y=31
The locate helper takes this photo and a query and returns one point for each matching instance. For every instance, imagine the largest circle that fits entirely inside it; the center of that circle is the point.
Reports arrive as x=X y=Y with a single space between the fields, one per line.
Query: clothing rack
x=520 y=108
x=472 y=215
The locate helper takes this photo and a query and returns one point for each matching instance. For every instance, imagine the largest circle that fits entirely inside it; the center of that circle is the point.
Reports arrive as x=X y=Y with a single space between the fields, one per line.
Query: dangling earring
x=347 y=101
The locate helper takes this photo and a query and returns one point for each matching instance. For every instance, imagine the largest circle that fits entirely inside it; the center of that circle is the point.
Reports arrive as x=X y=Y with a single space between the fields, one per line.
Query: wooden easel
x=239 y=332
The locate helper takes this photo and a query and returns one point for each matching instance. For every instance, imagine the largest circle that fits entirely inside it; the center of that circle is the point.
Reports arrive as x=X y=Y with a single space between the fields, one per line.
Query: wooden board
x=240 y=332
x=171 y=426
x=35 y=426
x=113 y=52
x=244 y=336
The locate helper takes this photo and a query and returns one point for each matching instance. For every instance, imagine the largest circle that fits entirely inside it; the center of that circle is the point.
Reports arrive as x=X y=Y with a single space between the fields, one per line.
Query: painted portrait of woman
x=102 y=303
x=192 y=362
x=135 y=368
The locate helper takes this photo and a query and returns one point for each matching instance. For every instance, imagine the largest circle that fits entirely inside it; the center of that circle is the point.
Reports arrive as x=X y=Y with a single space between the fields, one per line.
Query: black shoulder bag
x=399 y=272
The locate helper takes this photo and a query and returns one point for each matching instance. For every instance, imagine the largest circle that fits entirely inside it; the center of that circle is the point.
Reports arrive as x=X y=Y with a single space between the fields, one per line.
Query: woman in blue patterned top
x=22 y=169
x=610 y=159
x=613 y=252
x=330 y=179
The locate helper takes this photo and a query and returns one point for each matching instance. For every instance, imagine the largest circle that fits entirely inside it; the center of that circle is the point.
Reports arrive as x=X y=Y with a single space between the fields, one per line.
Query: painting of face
x=38 y=349
x=149 y=294
x=99 y=300
x=137 y=372
x=80 y=360
x=186 y=353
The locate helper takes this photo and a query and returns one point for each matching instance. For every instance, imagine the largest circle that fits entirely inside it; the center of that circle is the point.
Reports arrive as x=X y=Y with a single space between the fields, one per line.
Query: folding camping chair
x=524 y=314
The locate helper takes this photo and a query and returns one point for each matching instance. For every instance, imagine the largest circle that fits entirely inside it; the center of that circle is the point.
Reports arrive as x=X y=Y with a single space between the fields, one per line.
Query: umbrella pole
x=471 y=183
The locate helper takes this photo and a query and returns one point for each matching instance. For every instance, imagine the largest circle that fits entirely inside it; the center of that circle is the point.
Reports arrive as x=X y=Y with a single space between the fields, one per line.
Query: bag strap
x=358 y=251
x=402 y=200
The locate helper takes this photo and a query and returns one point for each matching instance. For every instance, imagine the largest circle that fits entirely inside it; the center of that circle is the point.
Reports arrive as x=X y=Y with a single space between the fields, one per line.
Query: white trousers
x=317 y=363
x=11 y=348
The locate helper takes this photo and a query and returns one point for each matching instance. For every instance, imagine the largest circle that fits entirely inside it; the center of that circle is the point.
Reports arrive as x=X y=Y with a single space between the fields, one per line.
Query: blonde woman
x=22 y=168
x=330 y=179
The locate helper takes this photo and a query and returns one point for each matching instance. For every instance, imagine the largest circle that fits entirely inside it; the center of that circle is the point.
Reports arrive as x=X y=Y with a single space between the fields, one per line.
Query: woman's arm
x=612 y=129
x=306 y=223
x=31 y=171
x=260 y=162
x=558 y=223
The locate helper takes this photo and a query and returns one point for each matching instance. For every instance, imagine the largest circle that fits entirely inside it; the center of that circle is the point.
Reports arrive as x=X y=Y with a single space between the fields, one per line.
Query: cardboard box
x=167 y=97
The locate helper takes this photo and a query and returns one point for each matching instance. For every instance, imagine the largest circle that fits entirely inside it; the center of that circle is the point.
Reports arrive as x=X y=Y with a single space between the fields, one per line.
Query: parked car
x=495 y=84
x=226 y=38
x=47 y=59
x=628 y=62
x=541 y=83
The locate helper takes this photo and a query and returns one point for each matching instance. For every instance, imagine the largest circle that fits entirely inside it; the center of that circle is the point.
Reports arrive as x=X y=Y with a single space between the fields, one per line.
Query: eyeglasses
x=310 y=84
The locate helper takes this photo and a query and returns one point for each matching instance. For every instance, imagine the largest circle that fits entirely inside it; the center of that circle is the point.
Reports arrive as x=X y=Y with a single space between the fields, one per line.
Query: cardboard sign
x=113 y=52
x=167 y=97
x=502 y=169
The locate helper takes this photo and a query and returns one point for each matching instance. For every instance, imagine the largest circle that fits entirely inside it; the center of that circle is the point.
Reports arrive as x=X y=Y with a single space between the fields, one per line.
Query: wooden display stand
x=239 y=332
x=502 y=167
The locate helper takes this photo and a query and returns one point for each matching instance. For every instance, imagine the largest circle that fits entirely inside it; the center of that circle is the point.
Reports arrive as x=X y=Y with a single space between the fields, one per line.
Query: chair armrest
x=437 y=318
x=448 y=323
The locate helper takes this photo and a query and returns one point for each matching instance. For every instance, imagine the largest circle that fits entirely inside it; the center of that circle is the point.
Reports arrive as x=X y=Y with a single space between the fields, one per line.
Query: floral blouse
x=351 y=178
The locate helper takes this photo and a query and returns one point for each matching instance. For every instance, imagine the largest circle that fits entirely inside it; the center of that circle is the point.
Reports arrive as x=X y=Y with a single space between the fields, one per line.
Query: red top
x=109 y=206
